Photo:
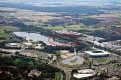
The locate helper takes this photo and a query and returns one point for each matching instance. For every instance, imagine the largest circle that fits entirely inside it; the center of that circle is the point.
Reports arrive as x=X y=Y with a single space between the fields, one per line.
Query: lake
x=35 y=37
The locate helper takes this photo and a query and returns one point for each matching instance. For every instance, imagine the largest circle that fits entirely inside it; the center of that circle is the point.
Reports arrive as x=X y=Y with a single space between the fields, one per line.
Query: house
x=34 y=72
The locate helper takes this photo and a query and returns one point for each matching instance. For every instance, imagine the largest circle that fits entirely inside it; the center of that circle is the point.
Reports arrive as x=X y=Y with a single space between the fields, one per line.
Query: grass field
x=30 y=63
x=100 y=59
x=4 y=35
x=17 y=61
x=7 y=36
x=9 y=28
x=57 y=76
x=74 y=27
x=54 y=28
x=83 y=27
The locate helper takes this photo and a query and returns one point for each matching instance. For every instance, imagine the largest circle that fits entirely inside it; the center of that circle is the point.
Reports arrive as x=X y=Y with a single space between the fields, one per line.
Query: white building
x=14 y=44
x=97 y=53
x=84 y=73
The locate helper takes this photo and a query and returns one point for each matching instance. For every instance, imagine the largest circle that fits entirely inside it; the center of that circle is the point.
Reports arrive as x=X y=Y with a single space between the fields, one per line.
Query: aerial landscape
x=60 y=40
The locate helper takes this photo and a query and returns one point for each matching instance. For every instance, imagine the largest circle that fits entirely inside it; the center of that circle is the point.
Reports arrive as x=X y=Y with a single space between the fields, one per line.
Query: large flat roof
x=84 y=73
x=97 y=52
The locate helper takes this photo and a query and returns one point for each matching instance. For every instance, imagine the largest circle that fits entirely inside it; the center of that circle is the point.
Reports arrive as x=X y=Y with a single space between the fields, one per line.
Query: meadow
x=9 y=28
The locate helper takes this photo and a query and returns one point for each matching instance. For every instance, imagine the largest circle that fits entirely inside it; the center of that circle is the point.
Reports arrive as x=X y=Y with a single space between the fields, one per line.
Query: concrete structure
x=78 y=60
x=84 y=73
x=97 y=53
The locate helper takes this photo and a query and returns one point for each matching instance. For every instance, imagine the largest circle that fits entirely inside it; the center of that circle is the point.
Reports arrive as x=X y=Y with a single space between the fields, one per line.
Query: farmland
x=38 y=18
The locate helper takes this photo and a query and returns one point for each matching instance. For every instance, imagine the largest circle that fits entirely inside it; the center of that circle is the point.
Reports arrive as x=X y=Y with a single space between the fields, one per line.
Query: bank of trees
x=19 y=67
x=88 y=21
x=109 y=36
x=53 y=49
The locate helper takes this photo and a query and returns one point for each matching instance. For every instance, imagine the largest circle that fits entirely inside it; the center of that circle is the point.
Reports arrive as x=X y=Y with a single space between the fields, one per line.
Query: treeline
x=2 y=38
x=20 y=66
x=88 y=21
x=108 y=36
x=53 y=49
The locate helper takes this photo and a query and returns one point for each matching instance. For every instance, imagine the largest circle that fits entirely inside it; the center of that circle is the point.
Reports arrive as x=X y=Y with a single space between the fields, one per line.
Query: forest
x=19 y=67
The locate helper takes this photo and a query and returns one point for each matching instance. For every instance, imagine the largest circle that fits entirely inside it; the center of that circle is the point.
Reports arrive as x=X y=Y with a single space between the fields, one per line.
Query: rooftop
x=84 y=73
x=97 y=52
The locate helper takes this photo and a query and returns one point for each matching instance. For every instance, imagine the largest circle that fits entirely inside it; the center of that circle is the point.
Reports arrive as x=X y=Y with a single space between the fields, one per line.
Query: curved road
x=65 y=71
x=61 y=76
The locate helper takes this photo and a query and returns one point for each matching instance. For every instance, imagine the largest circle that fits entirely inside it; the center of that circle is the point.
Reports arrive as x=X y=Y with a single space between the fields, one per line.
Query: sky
x=25 y=1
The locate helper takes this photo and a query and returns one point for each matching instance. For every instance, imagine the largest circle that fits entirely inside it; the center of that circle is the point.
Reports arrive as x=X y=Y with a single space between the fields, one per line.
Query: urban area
x=60 y=40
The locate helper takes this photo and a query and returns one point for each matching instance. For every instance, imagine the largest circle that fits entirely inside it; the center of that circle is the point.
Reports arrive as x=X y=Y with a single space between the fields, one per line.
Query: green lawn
x=54 y=28
x=30 y=63
x=83 y=27
x=74 y=27
x=17 y=60
x=4 y=35
x=100 y=59
x=9 y=28
x=57 y=76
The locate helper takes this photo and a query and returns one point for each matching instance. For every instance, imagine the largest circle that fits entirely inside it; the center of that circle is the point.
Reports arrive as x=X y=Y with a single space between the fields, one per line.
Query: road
x=65 y=71
x=61 y=76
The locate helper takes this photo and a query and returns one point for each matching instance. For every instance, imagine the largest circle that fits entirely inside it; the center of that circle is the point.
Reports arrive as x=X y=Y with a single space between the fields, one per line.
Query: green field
x=57 y=76
x=54 y=28
x=5 y=35
x=17 y=61
x=30 y=63
x=100 y=59
x=9 y=28
x=74 y=27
